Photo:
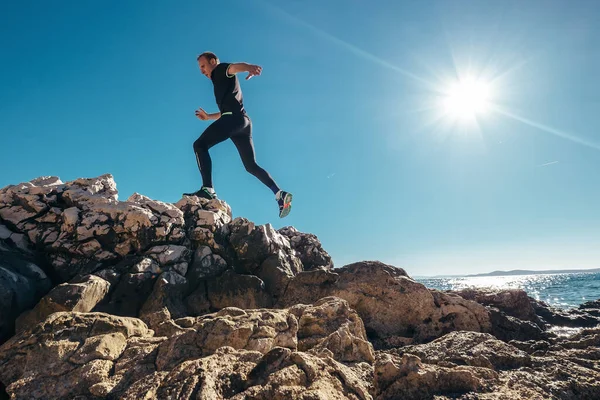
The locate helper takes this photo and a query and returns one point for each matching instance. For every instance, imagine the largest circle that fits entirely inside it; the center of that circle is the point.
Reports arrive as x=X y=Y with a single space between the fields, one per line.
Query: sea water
x=564 y=290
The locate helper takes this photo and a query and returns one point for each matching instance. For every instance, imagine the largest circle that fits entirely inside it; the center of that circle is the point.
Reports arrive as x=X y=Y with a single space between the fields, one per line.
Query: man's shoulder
x=223 y=66
x=221 y=70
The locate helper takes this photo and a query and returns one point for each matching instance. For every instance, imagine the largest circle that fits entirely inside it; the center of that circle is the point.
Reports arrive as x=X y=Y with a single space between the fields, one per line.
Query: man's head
x=207 y=61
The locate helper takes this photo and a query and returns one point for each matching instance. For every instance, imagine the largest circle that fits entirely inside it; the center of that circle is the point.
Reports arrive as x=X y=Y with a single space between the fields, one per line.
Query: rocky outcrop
x=516 y=316
x=469 y=348
x=107 y=299
x=317 y=349
x=309 y=249
x=231 y=353
x=81 y=295
x=461 y=363
x=407 y=377
x=396 y=309
x=81 y=226
x=22 y=281
x=109 y=255
x=592 y=307
x=138 y=257
x=585 y=316
x=513 y=302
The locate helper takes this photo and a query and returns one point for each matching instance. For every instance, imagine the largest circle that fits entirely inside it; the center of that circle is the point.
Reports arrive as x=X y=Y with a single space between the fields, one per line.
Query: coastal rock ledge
x=141 y=299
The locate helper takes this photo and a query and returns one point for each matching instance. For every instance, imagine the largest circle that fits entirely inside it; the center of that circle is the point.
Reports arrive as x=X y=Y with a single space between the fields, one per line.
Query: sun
x=466 y=98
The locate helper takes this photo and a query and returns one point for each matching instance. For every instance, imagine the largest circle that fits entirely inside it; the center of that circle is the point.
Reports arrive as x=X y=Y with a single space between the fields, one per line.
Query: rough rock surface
x=227 y=354
x=395 y=309
x=308 y=247
x=461 y=363
x=145 y=299
x=22 y=281
x=516 y=316
x=407 y=377
x=513 y=302
x=81 y=296
x=585 y=316
x=469 y=348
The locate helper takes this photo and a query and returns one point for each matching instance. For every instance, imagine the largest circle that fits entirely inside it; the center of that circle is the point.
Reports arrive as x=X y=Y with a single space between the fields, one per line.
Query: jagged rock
x=568 y=369
x=560 y=374
x=65 y=368
x=146 y=265
x=531 y=346
x=220 y=375
x=118 y=357
x=333 y=319
x=277 y=271
x=513 y=302
x=295 y=375
x=257 y=330
x=592 y=307
x=83 y=229
x=44 y=351
x=233 y=290
x=283 y=374
x=516 y=316
x=22 y=283
x=516 y=303
x=166 y=299
x=81 y=226
x=507 y=328
x=171 y=255
x=395 y=309
x=205 y=213
x=313 y=285
x=104 y=347
x=205 y=265
x=328 y=328
x=81 y=295
x=207 y=222
x=254 y=244
x=129 y=294
x=577 y=318
x=407 y=377
x=197 y=302
x=469 y=348
x=311 y=253
x=18 y=242
x=585 y=339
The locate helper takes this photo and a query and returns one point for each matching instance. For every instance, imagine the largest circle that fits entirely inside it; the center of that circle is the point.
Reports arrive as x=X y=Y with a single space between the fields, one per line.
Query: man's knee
x=200 y=145
x=252 y=167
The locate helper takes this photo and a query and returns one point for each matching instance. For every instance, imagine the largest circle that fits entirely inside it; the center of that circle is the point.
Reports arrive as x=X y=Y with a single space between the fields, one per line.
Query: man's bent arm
x=234 y=68
x=253 y=70
x=216 y=115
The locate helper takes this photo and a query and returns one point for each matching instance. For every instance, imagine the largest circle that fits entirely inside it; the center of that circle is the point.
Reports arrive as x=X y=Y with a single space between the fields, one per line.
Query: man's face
x=206 y=66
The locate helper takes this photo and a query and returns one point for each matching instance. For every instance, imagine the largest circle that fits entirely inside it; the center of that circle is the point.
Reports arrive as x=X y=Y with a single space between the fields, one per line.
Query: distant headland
x=528 y=272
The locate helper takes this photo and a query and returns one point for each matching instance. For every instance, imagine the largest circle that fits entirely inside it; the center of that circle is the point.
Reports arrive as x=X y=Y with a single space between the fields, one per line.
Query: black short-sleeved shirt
x=227 y=90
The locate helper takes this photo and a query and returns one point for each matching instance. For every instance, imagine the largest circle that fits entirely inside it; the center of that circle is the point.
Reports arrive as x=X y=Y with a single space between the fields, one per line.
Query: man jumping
x=233 y=123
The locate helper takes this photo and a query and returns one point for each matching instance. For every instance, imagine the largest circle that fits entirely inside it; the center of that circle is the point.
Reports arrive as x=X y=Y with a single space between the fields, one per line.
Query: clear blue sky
x=346 y=115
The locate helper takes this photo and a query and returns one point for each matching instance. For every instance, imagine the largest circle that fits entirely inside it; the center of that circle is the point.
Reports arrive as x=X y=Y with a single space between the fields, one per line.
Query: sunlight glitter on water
x=560 y=290
x=532 y=284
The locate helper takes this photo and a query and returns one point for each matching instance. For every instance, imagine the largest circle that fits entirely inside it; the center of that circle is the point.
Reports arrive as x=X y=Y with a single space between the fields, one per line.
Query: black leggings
x=238 y=128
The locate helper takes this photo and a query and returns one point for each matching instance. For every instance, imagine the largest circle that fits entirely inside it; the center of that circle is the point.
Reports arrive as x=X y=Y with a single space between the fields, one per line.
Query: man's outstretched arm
x=251 y=69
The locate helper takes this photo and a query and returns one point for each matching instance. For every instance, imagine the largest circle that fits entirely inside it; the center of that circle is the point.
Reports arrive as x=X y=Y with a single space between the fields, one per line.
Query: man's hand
x=253 y=70
x=203 y=115
x=200 y=113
